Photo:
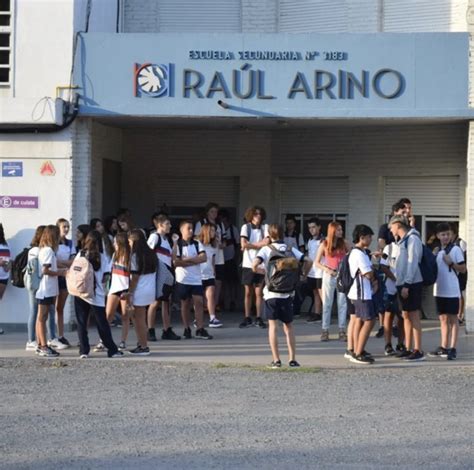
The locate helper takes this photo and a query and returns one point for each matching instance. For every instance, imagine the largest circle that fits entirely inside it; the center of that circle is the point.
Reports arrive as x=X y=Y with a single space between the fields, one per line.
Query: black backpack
x=282 y=271
x=428 y=265
x=18 y=268
x=344 y=279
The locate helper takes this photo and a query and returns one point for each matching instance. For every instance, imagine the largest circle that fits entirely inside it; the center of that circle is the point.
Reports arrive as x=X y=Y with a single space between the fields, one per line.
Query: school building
x=335 y=108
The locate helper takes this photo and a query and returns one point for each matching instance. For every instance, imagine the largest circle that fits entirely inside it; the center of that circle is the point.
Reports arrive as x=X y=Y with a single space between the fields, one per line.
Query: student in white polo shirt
x=279 y=290
x=314 y=277
x=161 y=244
x=292 y=237
x=188 y=255
x=450 y=261
x=253 y=236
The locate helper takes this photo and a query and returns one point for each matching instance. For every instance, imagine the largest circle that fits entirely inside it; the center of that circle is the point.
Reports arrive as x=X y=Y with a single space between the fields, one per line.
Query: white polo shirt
x=48 y=286
x=360 y=264
x=447 y=283
x=190 y=275
x=313 y=247
x=219 y=236
x=256 y=234
x=391 y=251
x=161 y=246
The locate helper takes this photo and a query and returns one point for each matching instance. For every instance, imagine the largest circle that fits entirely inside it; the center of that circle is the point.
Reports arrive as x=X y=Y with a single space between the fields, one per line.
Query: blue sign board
x=12 y=169
x=274 y=75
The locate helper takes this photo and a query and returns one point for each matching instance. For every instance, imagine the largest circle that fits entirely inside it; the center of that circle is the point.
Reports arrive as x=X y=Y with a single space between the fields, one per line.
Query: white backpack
x=80 y=279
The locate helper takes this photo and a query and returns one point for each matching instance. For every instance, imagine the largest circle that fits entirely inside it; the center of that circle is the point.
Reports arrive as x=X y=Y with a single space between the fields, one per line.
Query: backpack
x=33 y=275
x=80 y=278
x=428 y=265
x=282 y=271
x=18 y=268
x=344 y=280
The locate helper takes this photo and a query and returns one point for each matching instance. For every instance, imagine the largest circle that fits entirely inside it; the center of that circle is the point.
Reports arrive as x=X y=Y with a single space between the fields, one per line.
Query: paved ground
x=199 y=404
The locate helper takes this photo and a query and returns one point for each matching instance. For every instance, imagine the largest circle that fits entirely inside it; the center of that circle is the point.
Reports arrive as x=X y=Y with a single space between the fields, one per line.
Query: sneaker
x=195 y=325
x=139 y=351
x=439 y=352
x=64 y=341
x=452 y=354
x=313 y=318
x=122 y=346
x=403 y=354
x=379 y=333
x=400 y=347
x=187 y=333
x=324 y=336
x=31 y=346
x=46 y=352
x=415 y=356
x=349 y=354
x=246 y=323
x=99 y=347
x=169 y=334
x=119 y=354
x=84 y=356
x=342 y=335
x=260 y=323
x=293 y=364
x=275 y=364
x=362 y=360
x=56 y=344
x=389 y=351
x=215 y=323
x=202 y=334
x=2 y=331
x=366 y=353
x=151 y=334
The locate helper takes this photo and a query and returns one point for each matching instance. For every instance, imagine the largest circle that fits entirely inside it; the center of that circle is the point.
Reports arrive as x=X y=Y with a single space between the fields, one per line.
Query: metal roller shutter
x=432 y=196
x=314 y=195
x=320 y=16
x=203 y=16
x=424 y=15
x=196 y=192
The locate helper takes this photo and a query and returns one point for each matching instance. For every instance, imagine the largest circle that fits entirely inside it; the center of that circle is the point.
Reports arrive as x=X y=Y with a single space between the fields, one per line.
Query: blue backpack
x=428 y=265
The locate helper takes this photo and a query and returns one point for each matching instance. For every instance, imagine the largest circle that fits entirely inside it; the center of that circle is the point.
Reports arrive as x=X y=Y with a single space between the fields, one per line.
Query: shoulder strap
x=249 y=230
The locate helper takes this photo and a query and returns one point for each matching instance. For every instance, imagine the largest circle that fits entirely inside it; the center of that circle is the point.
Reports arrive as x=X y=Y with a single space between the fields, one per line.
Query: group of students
x=134 y=274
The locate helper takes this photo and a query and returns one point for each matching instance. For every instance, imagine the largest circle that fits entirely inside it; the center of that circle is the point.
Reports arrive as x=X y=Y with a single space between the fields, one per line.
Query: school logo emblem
x=151 y=80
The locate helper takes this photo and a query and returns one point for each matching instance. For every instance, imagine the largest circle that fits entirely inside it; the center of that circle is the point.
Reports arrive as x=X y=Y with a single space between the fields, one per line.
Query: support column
x=470 y=230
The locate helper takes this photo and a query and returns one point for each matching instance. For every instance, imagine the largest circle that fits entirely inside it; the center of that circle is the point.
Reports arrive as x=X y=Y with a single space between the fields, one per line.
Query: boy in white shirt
x=279 y=301
x=450 y=261
x=360 y=293
x=159 y=242
x=314 y=277
x=253 y=236
x=188 y=255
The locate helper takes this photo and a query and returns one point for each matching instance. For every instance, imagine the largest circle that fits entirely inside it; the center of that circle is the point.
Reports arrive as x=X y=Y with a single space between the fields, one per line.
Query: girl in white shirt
x=208 y=239
x=119 y=284
x=48 y=289
x=65 y=255
x=96 y=304
x=142 y=290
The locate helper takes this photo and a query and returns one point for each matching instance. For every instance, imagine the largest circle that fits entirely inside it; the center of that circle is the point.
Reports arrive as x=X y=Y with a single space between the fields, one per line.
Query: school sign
x=274 y=75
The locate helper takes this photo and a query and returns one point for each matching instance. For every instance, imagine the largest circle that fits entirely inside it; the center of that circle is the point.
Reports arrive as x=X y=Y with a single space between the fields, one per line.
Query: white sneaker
x=83 y=356
x=31 y=346
x=56 y=344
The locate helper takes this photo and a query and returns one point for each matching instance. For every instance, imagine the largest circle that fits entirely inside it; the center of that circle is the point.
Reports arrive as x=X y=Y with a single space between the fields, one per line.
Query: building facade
x=336 y=108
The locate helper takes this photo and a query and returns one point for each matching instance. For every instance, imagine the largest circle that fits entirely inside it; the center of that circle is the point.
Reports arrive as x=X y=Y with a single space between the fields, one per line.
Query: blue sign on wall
x=274 y=75
x=12 y=169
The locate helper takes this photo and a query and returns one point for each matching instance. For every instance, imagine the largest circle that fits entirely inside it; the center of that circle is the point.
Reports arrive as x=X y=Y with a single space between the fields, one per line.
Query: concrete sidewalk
x=249 y=346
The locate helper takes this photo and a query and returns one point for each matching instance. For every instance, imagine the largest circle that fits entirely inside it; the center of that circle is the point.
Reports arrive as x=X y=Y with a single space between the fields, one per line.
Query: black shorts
x=120 y=292
x=231 y=273
x=413 y=301
x=47 y=301
x=62 y=283
x=279 y=309
x=4 y=281
x=314 y=282
x=187 y=291
x=166 y=294
x=391 y=304
x=208 y=283
x=364 y=309
x=249 y=278
x=447 y=305
x=220 y=272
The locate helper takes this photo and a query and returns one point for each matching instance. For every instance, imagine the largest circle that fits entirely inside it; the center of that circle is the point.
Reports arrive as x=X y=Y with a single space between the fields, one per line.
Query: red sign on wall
x=47 y=168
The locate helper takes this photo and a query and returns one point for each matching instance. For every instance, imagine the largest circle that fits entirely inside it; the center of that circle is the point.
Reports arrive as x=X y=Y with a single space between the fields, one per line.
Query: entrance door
x=111 y=186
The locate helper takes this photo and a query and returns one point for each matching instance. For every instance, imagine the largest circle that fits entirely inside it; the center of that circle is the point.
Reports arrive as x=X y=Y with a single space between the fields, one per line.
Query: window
x=5 y=41
x=325 y=219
